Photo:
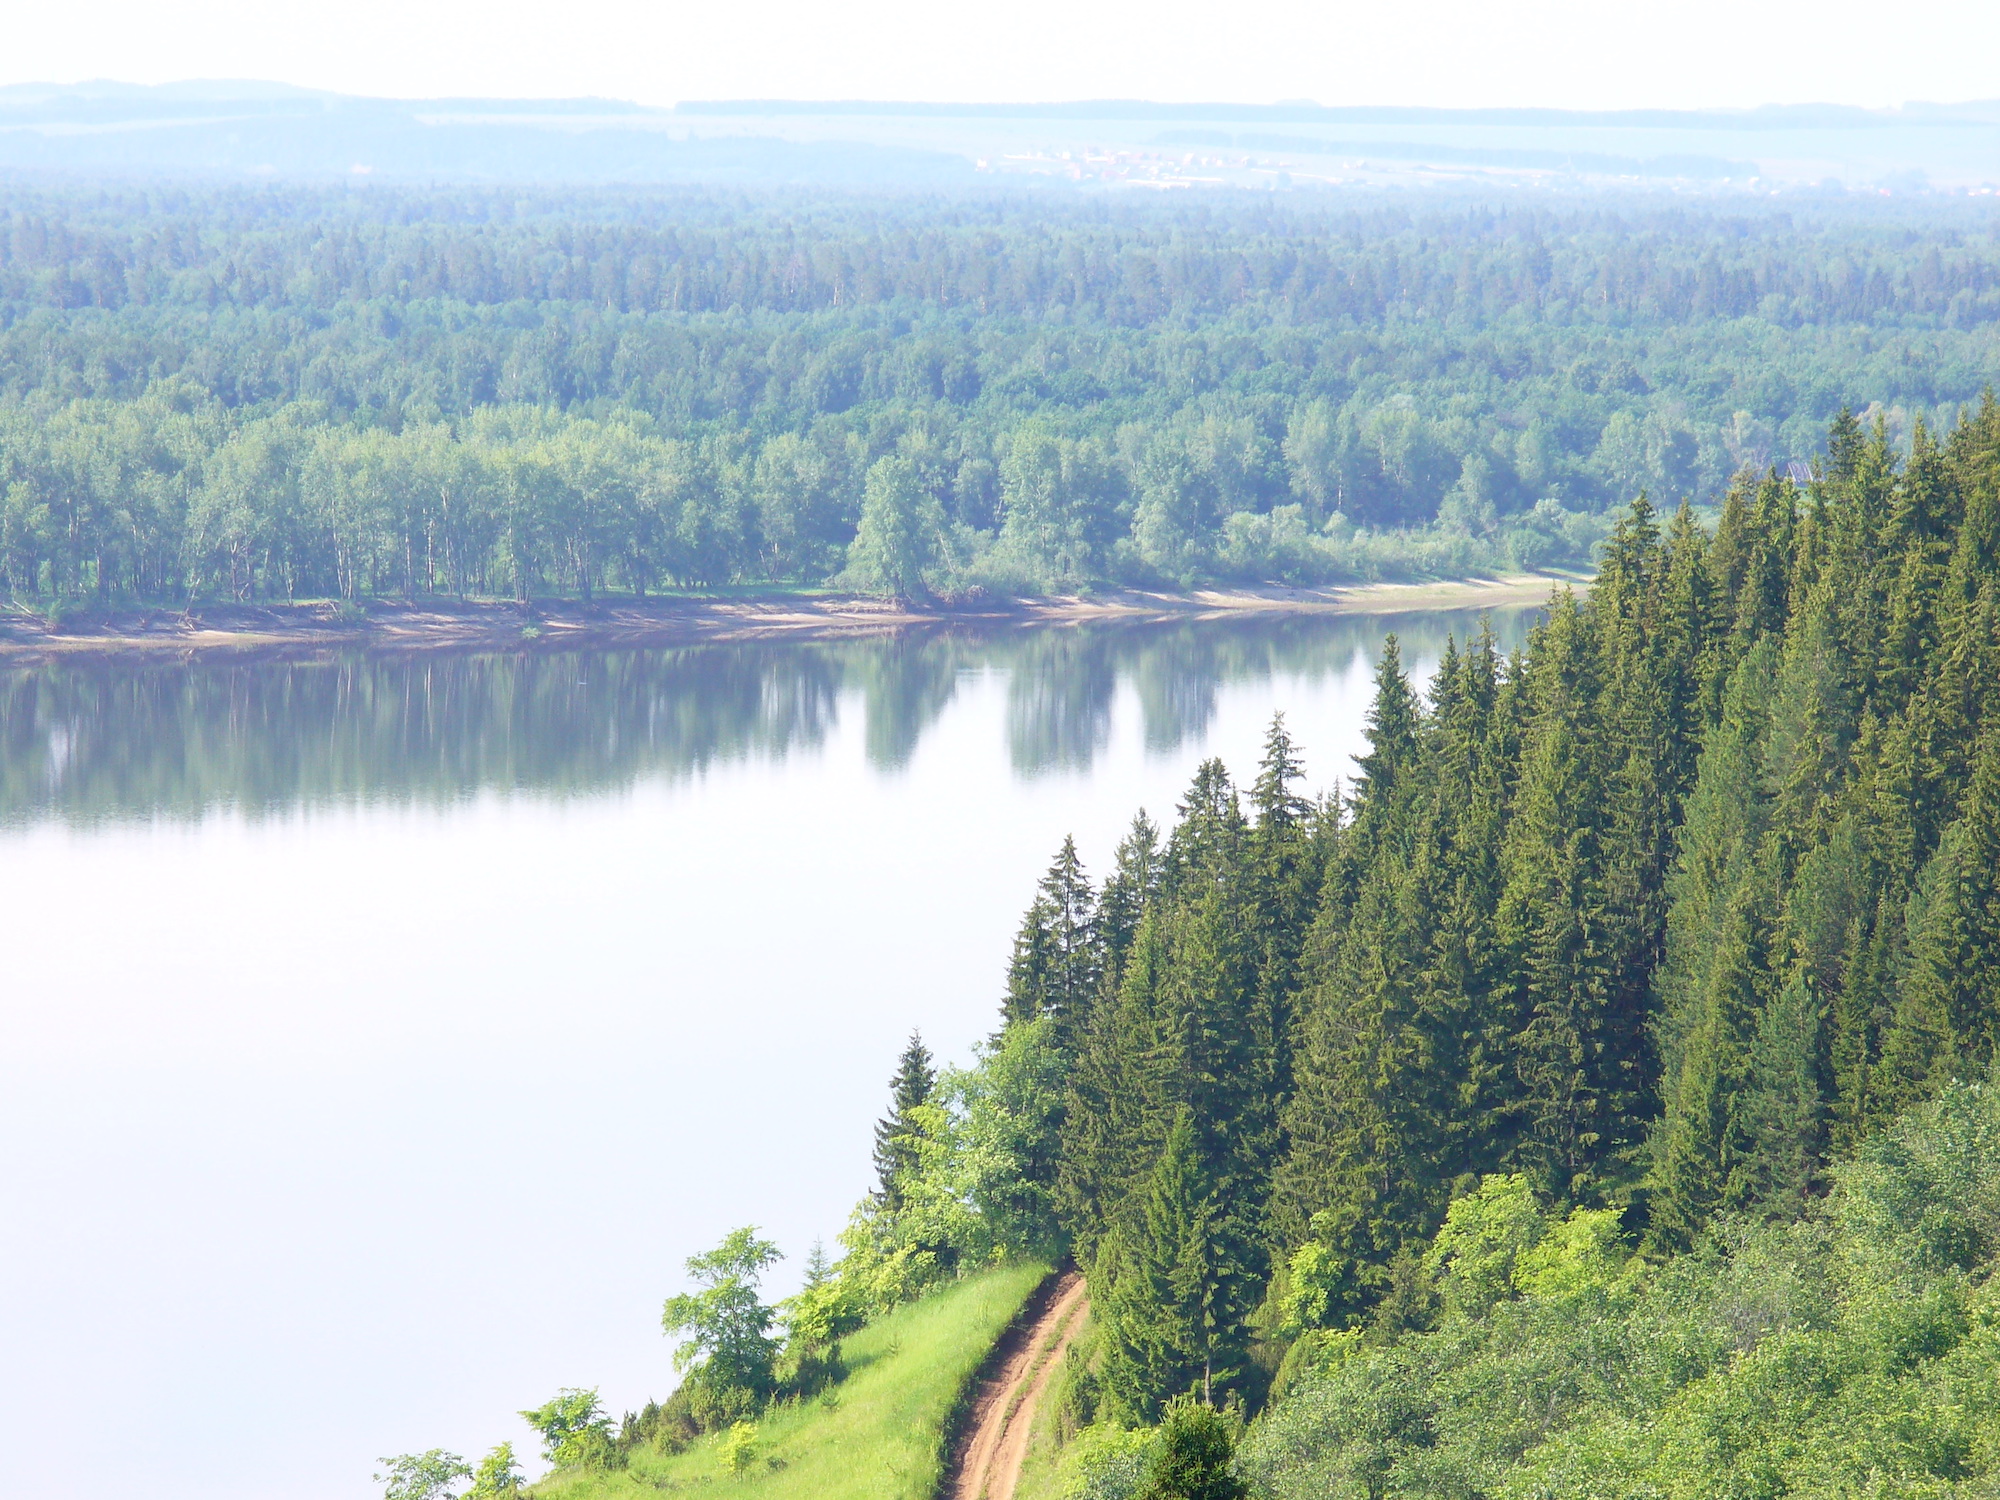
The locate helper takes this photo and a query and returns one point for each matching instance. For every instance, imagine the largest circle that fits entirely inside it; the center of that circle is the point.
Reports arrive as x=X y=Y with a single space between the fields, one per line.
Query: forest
x=213 y=393
x=1594 y=1098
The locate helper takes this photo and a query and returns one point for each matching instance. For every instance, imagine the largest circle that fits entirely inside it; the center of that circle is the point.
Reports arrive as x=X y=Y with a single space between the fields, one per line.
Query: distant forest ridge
x=297 y=392
x=239 y=129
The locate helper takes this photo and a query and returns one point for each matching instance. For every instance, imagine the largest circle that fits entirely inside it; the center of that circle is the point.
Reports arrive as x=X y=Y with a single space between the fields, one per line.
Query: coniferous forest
x=279 y=393
x=1595 y=1097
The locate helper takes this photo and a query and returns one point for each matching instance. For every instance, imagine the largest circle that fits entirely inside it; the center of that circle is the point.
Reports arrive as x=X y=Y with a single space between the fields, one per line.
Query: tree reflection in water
x=87 y=740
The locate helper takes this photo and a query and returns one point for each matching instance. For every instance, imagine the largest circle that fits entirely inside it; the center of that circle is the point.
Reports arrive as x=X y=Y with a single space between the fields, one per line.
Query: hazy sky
x=1447 y=52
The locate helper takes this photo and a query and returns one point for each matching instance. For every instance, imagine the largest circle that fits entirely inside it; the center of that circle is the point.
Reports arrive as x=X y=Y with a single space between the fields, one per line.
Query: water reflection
x=87 y=740
x=1059 y=697
x=907 y=683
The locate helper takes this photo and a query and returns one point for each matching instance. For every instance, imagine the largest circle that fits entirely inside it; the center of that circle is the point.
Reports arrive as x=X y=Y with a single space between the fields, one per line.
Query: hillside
x=878 y=1435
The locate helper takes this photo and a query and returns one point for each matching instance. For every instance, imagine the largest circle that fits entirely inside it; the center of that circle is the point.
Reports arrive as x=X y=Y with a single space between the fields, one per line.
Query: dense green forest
x=277 y=393
x=1593 y=1099
x=1606 y=1008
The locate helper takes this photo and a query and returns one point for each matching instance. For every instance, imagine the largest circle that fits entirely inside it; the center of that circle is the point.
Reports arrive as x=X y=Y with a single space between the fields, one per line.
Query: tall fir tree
x=1133 y=882
x=1711 y=982
x=1393 y=747
x=895 y=1152
x=1178 y=1302
x=1948 y=1001
x=1056 y=963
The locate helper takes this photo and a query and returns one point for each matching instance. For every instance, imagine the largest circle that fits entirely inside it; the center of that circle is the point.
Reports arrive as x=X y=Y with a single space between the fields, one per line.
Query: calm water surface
x=383 y=1032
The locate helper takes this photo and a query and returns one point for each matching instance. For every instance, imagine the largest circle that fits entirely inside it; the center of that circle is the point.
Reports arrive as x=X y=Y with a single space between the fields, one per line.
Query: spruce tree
x=1947 y=1009
x=1862 y=1018
x=1287 y=854
x=1196 y=1443
x=1363 y=1123
x=1729 y=554
x=1111 y=1128
x=1711 y=983
x=1843 y=445
x=1399 y=1079
x=1278 y=807
x=1688 y=652
x=1764 y=594
x=1132 y=884
x=1812 y=728
x=1056 y=962
x=1785 y=1112
x=1207 y=841
x=1708 y=1136
x=1393 y=747
x=895 y=1156
x=1859 y=486
x=1579 y=1037
x=1826 y=925
x=1178 y=1302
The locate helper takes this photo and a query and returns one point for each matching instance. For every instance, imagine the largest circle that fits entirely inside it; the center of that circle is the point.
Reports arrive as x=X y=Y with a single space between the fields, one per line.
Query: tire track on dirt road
x=987 y=1465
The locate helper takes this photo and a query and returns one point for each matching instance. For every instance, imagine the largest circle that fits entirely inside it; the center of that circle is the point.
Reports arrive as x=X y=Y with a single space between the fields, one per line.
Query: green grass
x=878 y=1435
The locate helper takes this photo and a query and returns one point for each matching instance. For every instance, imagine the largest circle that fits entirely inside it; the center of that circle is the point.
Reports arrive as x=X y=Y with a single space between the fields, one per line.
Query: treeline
x=694 y=252
x=246 y=395
x=172 y=498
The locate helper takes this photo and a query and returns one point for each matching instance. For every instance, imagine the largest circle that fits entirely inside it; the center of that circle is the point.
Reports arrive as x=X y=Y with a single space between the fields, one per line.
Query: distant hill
x=239 y=129
x=247 y=128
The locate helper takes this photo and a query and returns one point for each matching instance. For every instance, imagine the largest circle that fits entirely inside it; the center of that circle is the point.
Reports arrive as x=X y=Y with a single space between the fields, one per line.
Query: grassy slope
x=880 y=1437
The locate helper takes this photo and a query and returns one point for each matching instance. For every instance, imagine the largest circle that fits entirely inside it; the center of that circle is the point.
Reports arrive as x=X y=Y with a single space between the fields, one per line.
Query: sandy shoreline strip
x=286 y=628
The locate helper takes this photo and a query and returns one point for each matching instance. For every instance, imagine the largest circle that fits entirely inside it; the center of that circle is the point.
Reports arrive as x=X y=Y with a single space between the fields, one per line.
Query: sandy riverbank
x=681 y=620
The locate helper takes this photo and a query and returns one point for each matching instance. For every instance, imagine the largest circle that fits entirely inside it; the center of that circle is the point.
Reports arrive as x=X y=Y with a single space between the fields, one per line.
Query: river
x=383 y=1031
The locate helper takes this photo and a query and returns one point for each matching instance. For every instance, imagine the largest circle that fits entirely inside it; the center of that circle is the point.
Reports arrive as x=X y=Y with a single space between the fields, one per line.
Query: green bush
x=576 y=1433
x=1192 y=1458
x=1855 y=1351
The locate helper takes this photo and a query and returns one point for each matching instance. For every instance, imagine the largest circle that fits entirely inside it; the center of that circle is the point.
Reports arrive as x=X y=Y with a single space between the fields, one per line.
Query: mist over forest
x=236 y=130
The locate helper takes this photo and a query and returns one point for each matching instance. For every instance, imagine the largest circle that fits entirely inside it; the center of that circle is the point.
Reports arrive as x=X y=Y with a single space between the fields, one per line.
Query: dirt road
x=987 y=1465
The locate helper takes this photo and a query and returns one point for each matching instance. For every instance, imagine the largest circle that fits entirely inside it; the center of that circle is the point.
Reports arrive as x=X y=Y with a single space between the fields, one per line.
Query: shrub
x=1192 y=1460
x=576 y=1434
x=422 y=1476
x=738 y=1448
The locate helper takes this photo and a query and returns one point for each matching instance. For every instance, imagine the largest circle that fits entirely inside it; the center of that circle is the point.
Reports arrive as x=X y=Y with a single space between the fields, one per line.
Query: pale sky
x=1565 y=53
